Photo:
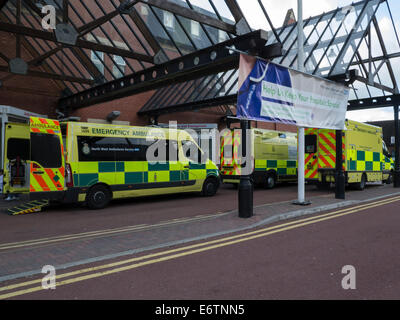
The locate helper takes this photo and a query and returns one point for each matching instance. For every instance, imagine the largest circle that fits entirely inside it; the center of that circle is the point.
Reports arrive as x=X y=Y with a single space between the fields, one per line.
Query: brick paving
x=80 y=251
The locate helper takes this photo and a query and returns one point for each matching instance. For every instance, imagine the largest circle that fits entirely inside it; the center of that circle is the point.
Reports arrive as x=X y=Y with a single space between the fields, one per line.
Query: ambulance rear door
x=47 y=165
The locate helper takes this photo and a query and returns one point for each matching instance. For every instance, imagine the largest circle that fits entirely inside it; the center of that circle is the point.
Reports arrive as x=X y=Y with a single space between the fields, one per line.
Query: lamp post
x=396 y=173
x=301 y=138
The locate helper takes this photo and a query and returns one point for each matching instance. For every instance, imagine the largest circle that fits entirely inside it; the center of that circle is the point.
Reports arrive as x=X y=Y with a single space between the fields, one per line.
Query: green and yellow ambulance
x=94 y=163
x=365 y=155
x=273 y=153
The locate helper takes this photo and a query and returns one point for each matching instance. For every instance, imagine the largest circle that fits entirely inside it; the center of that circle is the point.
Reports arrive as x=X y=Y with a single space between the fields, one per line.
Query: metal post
x=245 y=185
x=396 y=173
x=340 y=180
x=300 y=66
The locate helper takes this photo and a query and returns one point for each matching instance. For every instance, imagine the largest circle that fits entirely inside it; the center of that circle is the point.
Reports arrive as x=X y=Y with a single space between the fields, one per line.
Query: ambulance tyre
x=361 y=185
x=210 y=187
x=270 y=180
x=98 y=197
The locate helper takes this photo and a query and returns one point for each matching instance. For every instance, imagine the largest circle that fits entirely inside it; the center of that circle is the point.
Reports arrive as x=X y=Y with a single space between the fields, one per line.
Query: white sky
x=277 y=10
x=311 y=8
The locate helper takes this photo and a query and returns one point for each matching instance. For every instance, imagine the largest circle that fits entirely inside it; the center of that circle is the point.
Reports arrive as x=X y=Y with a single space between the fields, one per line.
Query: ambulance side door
x=16 y=158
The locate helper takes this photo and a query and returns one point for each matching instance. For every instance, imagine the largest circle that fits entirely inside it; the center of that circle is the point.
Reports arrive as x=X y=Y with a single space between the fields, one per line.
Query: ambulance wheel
x=270 y=180
x=361 y=185
x=98 y=197
x=210 y=187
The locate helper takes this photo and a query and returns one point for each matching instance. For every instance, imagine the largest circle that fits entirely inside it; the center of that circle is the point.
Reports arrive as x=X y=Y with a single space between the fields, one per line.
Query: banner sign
x=272 y=93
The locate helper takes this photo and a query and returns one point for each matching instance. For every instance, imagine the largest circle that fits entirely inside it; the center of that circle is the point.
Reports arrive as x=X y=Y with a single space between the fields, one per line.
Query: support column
x=340 y=179
x=245 y=185
x=396 y=173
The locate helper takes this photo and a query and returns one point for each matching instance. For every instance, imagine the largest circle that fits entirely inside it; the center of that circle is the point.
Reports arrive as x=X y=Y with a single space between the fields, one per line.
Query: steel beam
x=191 y=14
x=33 y=52
x=44 y=35
x=144 y=30
x=375 y=102
x=211 y=60
x=47 y=75
x=2 y=3
x=88 y=27
x=377 y=85
x=191 y=106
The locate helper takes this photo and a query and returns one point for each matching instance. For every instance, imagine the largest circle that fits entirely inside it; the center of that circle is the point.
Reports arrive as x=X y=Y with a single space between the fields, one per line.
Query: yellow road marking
x=100 y=233
x=242 y=238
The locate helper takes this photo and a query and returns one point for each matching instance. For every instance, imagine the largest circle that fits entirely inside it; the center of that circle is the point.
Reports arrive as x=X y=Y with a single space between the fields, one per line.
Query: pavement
x=73 y=236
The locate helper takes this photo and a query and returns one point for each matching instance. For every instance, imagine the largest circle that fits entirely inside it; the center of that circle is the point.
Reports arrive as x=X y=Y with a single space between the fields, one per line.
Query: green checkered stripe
x=365 y=161
x=282 y=167
x=118 y=173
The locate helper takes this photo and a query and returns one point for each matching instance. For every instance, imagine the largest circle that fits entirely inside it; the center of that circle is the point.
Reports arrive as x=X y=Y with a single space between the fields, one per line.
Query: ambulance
x=365 y=155
x=95 y=163
x=274 y=156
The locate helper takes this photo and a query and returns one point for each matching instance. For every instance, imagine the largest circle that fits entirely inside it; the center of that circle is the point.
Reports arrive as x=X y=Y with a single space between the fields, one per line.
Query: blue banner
x=273 y=93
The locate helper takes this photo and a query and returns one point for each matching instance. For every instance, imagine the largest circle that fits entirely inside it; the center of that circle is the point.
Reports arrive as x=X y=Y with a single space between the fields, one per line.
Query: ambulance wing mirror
x=385 y=150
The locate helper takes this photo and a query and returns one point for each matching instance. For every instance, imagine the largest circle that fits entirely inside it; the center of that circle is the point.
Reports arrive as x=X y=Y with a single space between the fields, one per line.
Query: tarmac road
x=298 y=259
x=72 y=219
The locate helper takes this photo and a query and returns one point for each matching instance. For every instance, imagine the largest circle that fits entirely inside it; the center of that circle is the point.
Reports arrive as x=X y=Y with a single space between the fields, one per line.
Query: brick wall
x=28 y=93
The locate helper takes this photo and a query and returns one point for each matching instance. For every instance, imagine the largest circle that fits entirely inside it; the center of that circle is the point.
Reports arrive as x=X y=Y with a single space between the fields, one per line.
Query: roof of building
x=138 y=35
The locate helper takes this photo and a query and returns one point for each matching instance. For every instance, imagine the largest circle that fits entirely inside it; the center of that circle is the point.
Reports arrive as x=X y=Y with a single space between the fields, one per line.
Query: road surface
x=298 y=259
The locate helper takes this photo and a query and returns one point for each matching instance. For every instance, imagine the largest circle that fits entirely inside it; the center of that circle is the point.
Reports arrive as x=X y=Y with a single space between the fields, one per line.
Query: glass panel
x=98 y=60
x=41 y=143
x=196 y=32
x=18 y=148
x=119 y=66
x=177 y=36
x=223 y=10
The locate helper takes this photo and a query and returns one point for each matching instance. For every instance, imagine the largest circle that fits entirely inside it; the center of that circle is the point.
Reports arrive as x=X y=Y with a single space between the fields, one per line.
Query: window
x=46 y=150
x=173 y=150
x=195 y=28
x=385 y=149
x=18 y=148
x=144 y=11
x=168 y=19
x=140 y=146
x=98 y=60
x=121 y=63
x=311 y=143
x=221 y=36
x=191 y=151
x=164 y=151
x=96 y=149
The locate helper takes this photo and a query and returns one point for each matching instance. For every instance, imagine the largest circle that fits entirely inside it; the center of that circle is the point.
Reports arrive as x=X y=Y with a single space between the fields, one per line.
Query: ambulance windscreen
x=311 y=143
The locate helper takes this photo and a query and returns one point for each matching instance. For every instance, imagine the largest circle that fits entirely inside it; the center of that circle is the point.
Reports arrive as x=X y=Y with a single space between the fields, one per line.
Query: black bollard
x=245 y=185
x=340 y=179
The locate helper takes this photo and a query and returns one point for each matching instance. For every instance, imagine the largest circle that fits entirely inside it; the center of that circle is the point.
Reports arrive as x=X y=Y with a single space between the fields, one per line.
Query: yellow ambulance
x=365 y=155
x=94 y=163
x=274 y=156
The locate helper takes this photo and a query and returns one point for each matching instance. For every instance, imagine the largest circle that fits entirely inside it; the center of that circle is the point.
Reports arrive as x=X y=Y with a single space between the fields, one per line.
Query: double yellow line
x=14 y=290
x=102 y=233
